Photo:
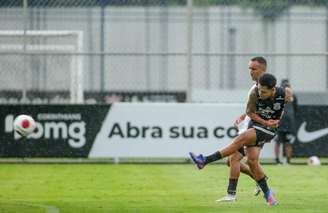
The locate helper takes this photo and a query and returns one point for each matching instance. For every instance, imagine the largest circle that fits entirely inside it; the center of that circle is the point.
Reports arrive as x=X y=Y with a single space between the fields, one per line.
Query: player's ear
x=274 y=89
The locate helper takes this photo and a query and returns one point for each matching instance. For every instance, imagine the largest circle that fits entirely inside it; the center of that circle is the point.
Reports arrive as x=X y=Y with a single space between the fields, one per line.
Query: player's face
x=265 y=92
x=256 y=70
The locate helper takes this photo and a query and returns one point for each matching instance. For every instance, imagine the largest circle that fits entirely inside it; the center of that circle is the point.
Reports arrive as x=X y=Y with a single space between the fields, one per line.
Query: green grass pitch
x=154 y=188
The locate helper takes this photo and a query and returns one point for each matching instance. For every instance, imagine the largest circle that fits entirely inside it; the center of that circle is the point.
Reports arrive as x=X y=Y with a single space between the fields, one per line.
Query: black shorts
x=242 y=151
x=285 y=137
x=263 y=134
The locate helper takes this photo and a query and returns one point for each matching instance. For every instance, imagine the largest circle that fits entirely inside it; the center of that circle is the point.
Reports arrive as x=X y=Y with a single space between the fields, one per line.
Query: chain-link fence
x=158 y=50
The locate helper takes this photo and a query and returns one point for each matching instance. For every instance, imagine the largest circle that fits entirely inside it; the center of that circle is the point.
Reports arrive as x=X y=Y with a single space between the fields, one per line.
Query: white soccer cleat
x=227 y=198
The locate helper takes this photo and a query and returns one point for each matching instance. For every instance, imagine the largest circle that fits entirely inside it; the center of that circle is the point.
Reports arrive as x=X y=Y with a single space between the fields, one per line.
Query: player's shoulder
x=252 y=89
x=288 y=94
x=288 y=91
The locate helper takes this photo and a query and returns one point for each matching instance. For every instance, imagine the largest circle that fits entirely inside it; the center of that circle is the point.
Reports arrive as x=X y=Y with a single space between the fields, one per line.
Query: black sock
x=277 y=160
x=232 y=186
x=263 y=184
x=266 y=178
x=288 y=160
x=213 y=157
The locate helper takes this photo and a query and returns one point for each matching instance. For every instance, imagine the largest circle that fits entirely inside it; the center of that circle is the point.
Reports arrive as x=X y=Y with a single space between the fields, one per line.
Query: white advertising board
x=167 y=130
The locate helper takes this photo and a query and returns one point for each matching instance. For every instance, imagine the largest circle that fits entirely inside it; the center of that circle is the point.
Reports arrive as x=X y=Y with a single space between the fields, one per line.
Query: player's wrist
x=265 y=123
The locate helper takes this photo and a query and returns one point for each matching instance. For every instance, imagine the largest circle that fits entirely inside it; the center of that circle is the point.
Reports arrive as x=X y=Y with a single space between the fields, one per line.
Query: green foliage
x=268 y=9
x=154 y=188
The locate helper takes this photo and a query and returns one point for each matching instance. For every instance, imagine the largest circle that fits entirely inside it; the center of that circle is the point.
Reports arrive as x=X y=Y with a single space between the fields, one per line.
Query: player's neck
x=274 y=93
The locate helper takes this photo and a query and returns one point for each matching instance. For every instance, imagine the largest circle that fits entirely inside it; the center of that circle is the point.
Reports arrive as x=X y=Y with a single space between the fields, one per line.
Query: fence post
x=189 y=48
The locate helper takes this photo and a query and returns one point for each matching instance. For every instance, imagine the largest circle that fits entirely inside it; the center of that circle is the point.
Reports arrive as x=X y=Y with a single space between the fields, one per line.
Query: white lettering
x=74 y=131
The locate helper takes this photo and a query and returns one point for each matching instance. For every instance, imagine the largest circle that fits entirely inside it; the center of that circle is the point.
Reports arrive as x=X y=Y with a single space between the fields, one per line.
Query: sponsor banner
x=122 y=130
x=167 y=130
x=62 y=130
x=312 y=133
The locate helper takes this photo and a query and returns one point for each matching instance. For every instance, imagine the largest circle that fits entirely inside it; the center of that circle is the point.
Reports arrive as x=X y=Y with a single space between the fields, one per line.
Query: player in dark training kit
x=257 y=66
x=287 y=127
x=264 y=107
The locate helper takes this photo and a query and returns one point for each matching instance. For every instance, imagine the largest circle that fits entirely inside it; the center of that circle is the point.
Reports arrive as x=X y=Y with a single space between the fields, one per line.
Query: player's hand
x=272 y=123
x=237 y=122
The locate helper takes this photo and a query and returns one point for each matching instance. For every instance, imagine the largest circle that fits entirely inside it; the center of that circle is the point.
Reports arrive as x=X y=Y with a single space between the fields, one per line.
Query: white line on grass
x=48 y=208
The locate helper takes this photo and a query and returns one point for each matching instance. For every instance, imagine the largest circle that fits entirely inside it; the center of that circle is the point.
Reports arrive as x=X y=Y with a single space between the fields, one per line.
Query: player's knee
x=235 y=157
x=228 y=162
x=252 y=161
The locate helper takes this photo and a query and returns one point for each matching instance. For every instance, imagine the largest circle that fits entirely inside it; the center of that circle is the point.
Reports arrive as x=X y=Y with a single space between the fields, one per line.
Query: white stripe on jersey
x=264 y=130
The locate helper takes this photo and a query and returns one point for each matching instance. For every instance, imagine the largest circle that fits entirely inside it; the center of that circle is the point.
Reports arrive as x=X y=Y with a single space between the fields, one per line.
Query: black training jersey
x=271 y=108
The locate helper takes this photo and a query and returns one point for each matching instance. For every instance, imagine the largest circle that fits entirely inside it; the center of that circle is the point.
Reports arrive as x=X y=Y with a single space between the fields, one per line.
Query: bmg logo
x=73 y=130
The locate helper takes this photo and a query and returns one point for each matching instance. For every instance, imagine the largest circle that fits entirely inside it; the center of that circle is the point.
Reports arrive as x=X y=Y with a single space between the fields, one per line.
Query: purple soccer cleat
x=198 y=160
x=270 y=199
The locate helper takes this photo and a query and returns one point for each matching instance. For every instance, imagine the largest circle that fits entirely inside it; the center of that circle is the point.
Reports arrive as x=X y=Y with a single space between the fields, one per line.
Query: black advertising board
x=312 y=131
x=62 y=130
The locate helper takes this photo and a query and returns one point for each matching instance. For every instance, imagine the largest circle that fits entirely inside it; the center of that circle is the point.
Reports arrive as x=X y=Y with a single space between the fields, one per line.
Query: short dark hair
x=268 y=80
x=260 y=59
x=285 y=83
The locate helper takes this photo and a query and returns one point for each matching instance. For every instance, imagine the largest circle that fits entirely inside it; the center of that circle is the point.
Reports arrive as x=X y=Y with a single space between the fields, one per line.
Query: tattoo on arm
x=251 y=108
x=251 y=103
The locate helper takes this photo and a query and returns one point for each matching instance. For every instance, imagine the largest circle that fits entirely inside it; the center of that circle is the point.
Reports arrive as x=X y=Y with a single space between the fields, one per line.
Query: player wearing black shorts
x=265 y=106
x=256 y=66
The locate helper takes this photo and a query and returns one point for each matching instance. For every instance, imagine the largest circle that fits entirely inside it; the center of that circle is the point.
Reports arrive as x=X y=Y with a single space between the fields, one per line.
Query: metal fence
x=195 y=47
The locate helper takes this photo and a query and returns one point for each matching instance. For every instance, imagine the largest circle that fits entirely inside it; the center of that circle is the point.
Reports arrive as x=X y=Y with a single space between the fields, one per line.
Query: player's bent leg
x=246 y=138
x=234 y=162
x=253 y=154
x=244 y=168
x=228 y=161
x=260 y=177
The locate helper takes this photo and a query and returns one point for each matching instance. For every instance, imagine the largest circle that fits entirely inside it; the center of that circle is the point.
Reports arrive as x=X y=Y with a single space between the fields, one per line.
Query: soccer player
x=257 y=66
x=264 y=107
x=287 y=127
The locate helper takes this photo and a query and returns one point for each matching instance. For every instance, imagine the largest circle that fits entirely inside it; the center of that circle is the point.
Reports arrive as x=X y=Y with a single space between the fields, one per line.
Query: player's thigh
x=253 y=153
x=246 y=138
